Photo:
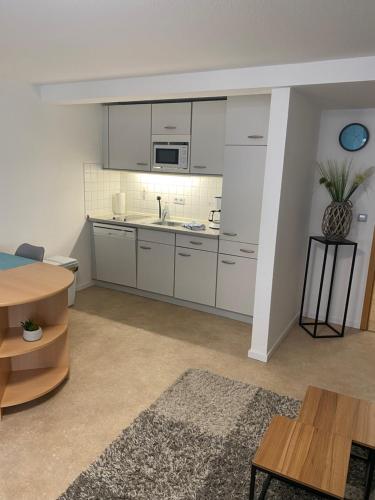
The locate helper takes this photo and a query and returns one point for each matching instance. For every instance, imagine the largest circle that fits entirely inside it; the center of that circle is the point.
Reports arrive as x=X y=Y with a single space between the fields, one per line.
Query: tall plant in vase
x=341 y=184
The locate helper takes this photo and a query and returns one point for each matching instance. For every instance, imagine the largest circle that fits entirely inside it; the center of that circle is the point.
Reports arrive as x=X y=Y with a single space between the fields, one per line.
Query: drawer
x=241 y=249
x=156 y=236
x=197 y=242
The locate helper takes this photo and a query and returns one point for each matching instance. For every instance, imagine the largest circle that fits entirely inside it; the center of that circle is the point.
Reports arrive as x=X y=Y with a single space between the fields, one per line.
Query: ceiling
x=68 y=40
x=342 y=95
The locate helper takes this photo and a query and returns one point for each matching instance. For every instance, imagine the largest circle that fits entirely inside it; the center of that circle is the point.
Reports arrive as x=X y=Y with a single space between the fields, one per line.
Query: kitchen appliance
x=115 y=254
x=170 y=154
x=214 y=217
x=71 y=264
x=118 y=203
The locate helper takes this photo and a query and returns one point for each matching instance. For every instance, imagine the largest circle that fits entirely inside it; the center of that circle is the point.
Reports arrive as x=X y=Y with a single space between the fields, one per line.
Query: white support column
x=269 y=222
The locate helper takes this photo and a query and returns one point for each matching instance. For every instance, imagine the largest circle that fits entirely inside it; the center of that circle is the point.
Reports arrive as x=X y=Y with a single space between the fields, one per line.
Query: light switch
x=362 y=217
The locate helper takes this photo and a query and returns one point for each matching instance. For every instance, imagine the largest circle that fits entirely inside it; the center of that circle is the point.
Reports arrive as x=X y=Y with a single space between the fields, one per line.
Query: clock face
x=354 y=137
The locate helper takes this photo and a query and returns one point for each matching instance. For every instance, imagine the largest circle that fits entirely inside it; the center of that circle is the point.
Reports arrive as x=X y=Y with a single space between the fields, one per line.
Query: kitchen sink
x=170 y=223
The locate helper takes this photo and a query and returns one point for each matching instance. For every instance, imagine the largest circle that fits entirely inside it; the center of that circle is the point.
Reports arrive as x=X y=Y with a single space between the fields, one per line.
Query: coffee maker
x=214 y=217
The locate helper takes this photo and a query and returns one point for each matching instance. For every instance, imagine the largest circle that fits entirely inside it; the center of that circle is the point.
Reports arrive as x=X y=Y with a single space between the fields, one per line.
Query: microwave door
x=167 y=156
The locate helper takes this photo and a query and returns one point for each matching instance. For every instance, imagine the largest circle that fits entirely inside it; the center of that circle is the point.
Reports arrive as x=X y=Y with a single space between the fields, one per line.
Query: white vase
x=31 y=336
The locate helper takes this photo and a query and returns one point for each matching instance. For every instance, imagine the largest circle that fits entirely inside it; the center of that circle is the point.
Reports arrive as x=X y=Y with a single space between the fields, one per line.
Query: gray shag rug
x=194 y=443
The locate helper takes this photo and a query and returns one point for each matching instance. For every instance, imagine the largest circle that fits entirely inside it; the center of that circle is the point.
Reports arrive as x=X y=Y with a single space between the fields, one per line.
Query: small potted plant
x=31 y=330
x=336 y=177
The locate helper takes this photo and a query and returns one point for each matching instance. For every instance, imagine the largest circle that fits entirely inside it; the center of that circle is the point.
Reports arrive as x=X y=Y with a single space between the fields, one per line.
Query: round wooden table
x=36 y=291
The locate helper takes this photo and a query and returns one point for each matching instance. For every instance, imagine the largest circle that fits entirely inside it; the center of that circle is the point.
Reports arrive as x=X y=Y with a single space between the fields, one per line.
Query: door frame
x=369 y=287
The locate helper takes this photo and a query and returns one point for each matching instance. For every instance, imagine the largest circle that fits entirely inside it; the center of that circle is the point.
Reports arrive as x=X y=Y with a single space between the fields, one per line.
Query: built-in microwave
x=170 y=154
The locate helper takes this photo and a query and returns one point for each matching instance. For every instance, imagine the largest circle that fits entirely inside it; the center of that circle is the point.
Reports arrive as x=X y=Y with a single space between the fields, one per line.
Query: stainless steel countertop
x=146 y=222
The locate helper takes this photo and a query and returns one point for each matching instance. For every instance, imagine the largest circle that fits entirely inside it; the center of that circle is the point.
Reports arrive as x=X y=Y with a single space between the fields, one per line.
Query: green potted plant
x=31 y=330
x=337 y=178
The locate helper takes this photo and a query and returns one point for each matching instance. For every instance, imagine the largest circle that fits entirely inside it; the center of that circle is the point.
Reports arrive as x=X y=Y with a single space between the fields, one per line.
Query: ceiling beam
x=258 y=79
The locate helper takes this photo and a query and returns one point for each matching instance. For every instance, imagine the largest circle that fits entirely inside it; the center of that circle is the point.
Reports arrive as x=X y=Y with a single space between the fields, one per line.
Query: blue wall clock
x=354 y=137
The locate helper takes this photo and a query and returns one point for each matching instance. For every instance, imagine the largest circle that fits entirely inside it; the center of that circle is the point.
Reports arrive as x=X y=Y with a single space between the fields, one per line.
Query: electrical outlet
x=179 y=201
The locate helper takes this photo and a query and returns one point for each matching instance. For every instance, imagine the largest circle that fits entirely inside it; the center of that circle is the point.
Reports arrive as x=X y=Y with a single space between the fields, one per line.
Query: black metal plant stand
x=316 y=323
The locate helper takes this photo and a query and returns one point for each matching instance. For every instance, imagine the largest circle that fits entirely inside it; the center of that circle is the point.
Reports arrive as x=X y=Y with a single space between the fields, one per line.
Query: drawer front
x=196 y=242
x=195 y=276
x=236 y=274
x=156 y=236
x=240 y=249
x=155 y=271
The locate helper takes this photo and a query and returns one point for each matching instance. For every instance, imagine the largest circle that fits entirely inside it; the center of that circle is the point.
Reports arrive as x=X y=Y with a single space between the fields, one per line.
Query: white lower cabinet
x=236 y=284
x=195 y=275
x=155 y=271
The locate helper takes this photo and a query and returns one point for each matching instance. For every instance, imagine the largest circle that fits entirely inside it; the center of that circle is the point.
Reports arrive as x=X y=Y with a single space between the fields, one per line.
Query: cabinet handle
x=142 y=164
x=199 y=166
x=170 y=127
x=184 y=254
x=229 y=234
x=255 y=136
x=144 y=248
x=245 y=250
x=228 y=262
x=196 y=242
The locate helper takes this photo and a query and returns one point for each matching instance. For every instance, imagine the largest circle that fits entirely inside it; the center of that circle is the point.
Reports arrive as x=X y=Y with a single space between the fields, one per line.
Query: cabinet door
x=171 y=118
x=208 y=137
x=247 y=120
x=195 y=276
x=236 y=284
x=155 y=267
x=129 y=137
x=242 y=193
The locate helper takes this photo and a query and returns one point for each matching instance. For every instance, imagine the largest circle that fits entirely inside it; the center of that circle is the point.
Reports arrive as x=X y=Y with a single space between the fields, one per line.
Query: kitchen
x=175 y=210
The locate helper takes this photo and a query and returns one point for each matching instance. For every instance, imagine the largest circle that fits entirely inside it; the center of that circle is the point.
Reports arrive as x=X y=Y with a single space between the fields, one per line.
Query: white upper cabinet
x=242 y=193
x=247 y=120
x=129 y=137
x=171 y=118
x=208 y=137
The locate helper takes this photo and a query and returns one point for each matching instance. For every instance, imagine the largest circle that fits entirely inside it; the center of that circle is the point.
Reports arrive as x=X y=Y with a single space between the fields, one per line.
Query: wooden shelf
x=13 y=343
x=28 y=370
x=26 y=385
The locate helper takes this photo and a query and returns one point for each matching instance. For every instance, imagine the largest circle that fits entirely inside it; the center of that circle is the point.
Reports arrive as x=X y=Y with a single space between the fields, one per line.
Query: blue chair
x=30 y=252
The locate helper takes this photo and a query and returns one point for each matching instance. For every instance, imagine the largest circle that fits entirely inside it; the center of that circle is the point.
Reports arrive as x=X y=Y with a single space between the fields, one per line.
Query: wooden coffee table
x=314 y=450
x=340 y=414
x=303 y=455
x=346 y=416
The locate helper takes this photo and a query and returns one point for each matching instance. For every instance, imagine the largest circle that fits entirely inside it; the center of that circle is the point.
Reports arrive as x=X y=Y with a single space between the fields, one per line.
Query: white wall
x=285 y=214
x=42 y=150
x=332 y=121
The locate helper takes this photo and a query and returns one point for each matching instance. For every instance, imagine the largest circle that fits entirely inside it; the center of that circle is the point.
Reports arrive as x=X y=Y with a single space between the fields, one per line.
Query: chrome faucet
x=164 y=214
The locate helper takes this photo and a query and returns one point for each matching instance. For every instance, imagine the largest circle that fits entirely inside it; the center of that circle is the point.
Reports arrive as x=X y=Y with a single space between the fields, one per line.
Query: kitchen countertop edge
x=206 y=233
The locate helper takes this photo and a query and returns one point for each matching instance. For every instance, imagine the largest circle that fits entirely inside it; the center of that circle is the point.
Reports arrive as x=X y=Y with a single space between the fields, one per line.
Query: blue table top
x=8 y=261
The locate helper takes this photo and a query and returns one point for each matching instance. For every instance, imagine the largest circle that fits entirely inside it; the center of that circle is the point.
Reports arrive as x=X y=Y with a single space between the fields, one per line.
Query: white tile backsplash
x=141 y=190
x=197 y=192
x=100 y=185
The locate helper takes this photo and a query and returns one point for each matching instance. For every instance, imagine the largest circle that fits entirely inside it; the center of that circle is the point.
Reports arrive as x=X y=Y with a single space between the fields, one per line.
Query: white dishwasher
x=115 y=254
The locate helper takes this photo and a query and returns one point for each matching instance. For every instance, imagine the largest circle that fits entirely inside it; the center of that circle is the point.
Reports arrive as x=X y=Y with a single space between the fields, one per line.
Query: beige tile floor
x=125 y=350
